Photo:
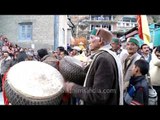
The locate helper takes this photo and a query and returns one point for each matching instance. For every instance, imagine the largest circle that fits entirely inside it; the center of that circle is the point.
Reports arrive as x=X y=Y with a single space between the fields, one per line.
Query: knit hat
x=101 y=32
x=93 y=32
x=116 y=40
x=133 y=40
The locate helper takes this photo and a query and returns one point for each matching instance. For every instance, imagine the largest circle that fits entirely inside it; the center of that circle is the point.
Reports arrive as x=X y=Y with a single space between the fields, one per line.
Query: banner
x=143 y=28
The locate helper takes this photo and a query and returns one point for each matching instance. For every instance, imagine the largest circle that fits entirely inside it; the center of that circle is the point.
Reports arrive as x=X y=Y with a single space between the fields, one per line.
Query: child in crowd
x=137 y=91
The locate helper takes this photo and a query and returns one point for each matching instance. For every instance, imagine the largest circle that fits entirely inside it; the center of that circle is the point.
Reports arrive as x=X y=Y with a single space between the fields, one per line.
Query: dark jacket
x=102 y=86
x=141 y=90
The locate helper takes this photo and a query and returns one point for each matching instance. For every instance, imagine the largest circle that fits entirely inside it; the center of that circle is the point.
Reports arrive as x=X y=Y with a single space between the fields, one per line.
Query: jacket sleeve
x=138 y=98
x=103 y=75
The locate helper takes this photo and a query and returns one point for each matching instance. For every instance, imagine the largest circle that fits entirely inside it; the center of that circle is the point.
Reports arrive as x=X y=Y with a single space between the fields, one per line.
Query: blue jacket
x=137 y=92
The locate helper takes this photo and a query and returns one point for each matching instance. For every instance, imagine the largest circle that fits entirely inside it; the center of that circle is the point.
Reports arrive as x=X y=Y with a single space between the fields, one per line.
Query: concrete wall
x=42 y=35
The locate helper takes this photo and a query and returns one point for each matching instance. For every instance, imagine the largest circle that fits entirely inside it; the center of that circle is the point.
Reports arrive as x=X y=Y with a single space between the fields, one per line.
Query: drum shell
x=16 y=98
x=71 y=71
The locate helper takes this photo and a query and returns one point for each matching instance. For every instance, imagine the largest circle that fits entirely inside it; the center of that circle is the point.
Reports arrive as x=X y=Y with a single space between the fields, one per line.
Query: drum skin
x=34 y=83
x=72 y=70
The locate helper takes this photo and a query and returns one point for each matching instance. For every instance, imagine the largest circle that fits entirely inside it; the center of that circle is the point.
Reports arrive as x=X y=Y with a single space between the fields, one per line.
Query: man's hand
x=68 y=86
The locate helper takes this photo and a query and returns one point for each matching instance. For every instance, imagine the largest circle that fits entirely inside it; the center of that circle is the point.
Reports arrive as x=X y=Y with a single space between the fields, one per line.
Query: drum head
x=33 y=82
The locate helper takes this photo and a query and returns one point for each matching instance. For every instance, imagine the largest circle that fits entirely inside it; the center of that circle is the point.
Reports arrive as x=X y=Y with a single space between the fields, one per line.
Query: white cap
x=81 y=43
x=76 y=48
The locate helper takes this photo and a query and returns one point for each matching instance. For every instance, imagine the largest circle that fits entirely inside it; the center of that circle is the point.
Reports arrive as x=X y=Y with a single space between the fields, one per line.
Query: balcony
x=97 y=22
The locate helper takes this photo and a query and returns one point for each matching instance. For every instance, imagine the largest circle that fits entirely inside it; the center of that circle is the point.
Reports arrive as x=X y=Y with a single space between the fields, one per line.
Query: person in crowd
x=75 y=51
x=21 y=55
x=155 y=71
x=58 y=51
x=5 y=65
x=132 y=47
x=14 y=59
x=116 y=47
x=46 y=58
x=145 y=52
x=138 y=89
x=30 y=56
x=63 y=54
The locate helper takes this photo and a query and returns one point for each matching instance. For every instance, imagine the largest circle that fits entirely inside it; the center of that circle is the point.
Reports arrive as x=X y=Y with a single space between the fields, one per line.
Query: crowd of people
x=115 y=75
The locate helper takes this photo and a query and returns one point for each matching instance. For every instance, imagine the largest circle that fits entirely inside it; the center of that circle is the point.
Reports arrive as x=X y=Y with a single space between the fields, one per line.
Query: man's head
x=63 y=54
x=99 y=37
x=30 y=55
x=75 y=50
x=60 y=49
x=5 y=54
x=115 y=43
x=145 y=49
x=132 y=45
x=42 y=52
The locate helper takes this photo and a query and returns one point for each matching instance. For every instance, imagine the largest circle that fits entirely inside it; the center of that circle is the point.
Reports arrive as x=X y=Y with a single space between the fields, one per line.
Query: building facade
x=36 y=31
x=117 y=24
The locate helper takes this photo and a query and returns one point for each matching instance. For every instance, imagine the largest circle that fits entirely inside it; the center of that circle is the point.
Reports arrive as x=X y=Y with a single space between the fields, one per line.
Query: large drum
x=72 y=70
x=34 y=83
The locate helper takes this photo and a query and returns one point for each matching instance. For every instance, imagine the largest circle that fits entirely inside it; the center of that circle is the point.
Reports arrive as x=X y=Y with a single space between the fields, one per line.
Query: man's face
x=5 y=54
x=115 y=46
x=62 y=55
x=131 y=48
x=94 y=43
x=145 y=49
x=58 y=51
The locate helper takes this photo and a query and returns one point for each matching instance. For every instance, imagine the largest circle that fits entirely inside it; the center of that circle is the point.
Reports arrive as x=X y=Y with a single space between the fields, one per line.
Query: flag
x=143 y=28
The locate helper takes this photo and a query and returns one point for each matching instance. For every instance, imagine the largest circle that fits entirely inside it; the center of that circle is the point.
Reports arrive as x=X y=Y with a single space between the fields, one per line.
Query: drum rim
x=61 y=91
x=71 y=63
x=23 y=100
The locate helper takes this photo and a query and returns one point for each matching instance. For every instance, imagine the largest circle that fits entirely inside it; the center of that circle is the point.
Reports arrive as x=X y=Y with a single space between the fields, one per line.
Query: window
x=101 y=17
x=127 y=24
x=92 y=27
x=104 y=26
x=106 y=18
x=109 y=27
x=126 y=19
x=94 y=17
x=129 y=19
x=25 y=31
x=133 y=19
x=97 y=26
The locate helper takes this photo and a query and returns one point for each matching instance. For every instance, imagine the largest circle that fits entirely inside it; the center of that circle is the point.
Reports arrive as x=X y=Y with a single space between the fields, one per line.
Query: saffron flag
x=143 y=28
